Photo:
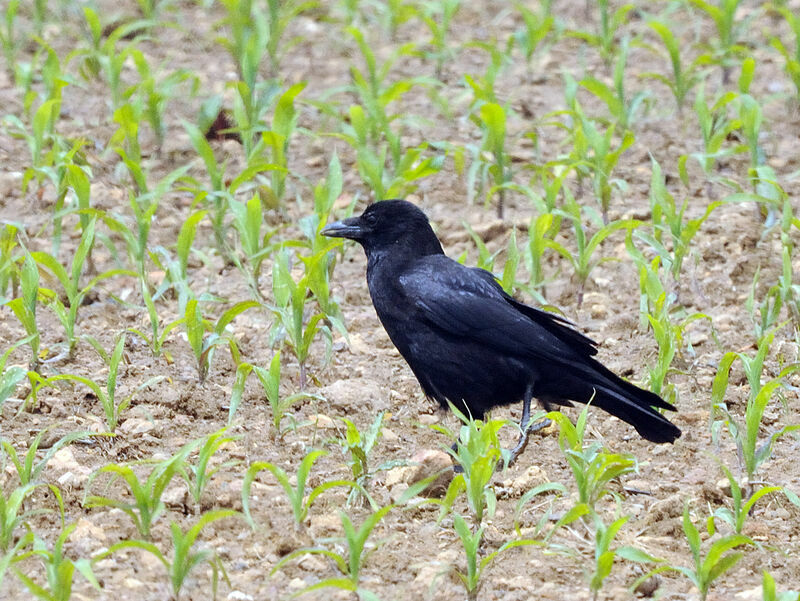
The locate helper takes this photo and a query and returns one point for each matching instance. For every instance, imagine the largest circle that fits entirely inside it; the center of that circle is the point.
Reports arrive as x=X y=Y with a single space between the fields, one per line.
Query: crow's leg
x=525 y=426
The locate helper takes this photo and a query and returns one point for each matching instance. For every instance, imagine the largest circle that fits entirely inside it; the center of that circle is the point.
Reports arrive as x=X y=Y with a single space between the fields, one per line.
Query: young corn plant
x=438 y=16
x=604 y=554
x=494 y=162
x=672 y=232
x=536 y=27
x=769 y=591
x=28 y=468
x=254 y=240
x=609 y=25
x=300 y=496
x=683 y=76
x=540 y=239
x=585 y=258
x=592 y=466
x=11 y=377
x=478 y=453
x=289 y=309
x=202 y=345
x=622 y=109
x=146 y=505
x=198 y=474
x=350 y=563
x=113 y=407
x=725 y=47
x=185 y=557
x=742 y=507
x=70 y=282
x=359 y=446
x=716 y=127
x=718 y=559
x=745 y=430
x=475 y=565
x=24 y=307
x=59 y=568
x=791 y=54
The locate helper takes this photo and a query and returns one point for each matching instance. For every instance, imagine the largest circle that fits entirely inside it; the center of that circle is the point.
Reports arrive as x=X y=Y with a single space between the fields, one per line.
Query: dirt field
x=413 y=554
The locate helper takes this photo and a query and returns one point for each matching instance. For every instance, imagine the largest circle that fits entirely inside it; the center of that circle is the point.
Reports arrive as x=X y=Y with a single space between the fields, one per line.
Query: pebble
x=429 y=462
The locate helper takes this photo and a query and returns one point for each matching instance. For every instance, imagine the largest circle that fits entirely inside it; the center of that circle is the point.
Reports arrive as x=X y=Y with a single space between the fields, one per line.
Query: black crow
x=470 y=343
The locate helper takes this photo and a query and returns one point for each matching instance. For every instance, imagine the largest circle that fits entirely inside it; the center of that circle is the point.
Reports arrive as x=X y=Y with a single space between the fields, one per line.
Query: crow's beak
x=348 y=228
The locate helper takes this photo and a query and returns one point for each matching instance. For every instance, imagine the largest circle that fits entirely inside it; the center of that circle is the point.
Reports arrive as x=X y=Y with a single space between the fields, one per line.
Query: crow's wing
x=469 y=303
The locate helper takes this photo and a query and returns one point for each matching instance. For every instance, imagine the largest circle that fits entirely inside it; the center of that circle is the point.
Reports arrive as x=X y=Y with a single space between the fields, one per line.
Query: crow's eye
x=370 y=218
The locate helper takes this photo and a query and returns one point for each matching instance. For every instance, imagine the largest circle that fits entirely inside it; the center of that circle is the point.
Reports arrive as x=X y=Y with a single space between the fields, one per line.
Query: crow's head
x=389 y=225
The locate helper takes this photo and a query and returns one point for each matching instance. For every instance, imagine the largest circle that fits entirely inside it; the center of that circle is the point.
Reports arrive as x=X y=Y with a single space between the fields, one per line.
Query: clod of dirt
x=430 y=462
x=647 y=588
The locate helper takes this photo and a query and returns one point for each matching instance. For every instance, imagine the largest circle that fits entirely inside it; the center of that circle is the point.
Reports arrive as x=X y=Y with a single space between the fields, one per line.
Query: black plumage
x=469 y=342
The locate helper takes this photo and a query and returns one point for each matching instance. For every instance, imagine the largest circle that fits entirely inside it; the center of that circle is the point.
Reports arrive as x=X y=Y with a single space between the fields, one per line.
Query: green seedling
x=670 y=224
x=623 y=110
x=478 y=453
x=203 y=345
x=10 y=40
x=254 y=242
x=70 y=283
x=745 y=433
x=790 y=54
x=592 y=467
x=198 y=474
x=394 y=13
x=60 y=570
x=471 y=578
x=11 y=377
x=719 y=558
x=153 y=92
x=147 y=505
x=684 y=76
x=16 y=552
x=483 y=87
x=13 y=515
x=741 y=508
x=438 y=16
x=494 y=158
x=751 y=117
x=176 y=270
x=270 y=383
x=289 y=309
x=769 y=591
x=112 y=406
x=585 y=259
x=184 y=556
x=24 y=307
x=716 y=127
x=610 y=23
x=359 y=446
x=540 y=239
x=536 y=26
x=9 y=272
x=300 y=497
x=157 y=336
x=725 y=47
x=604 y=555
x=28 y=469
x=599 y=156
x=349 y=564
x=107 y=56
x=548 y=487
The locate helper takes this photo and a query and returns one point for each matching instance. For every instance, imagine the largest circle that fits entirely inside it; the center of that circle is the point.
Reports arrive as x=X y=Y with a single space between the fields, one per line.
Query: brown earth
x=413 y=556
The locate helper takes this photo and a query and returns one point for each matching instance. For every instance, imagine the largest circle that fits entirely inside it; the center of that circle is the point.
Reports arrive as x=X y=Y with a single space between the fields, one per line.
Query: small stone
x=137 y=425
x=430 y=462
x=133 y=583
x=598 y=311
x=322 y=421
x=239 y=596
x=647 y=588
x=427 y=419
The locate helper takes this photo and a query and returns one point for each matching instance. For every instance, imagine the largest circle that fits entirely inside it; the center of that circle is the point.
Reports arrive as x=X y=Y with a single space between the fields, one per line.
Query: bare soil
x=414 y=555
